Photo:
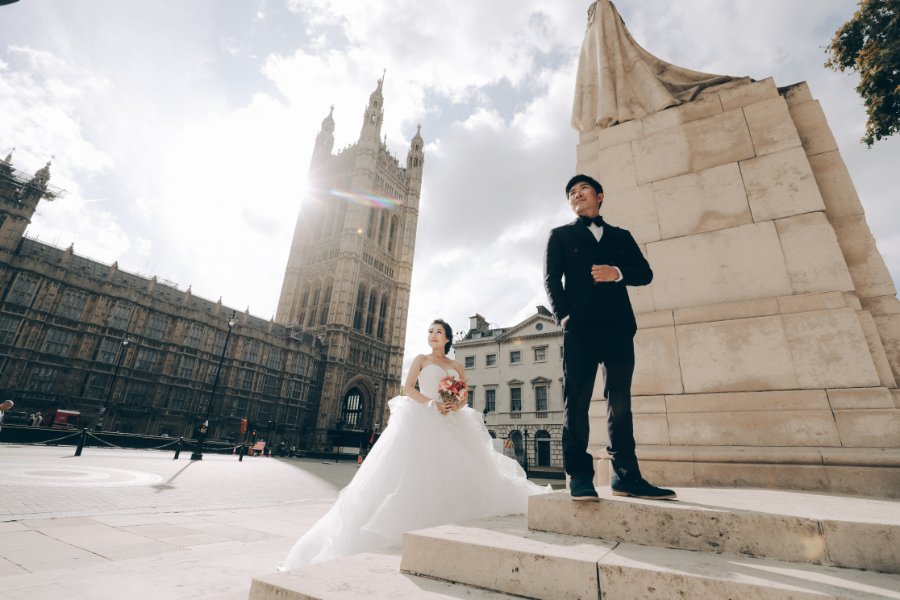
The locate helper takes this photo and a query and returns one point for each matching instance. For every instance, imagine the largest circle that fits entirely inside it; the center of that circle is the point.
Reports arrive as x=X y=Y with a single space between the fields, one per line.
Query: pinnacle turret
x=415 y=158
x=325 y=137
x=42 y=177
x=374 y=115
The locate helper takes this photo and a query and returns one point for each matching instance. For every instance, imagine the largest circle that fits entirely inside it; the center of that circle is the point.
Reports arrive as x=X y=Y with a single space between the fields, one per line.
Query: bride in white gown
x=434 y=464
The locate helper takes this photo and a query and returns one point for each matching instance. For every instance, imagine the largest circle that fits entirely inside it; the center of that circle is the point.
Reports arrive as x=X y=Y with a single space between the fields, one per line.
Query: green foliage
x=869 y=43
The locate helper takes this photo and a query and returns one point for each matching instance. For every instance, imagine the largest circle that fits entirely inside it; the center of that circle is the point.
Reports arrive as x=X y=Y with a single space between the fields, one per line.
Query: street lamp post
x=525 y=466
x=112 y=382
x=198 y=453
x=374 y=403
x=371 y=428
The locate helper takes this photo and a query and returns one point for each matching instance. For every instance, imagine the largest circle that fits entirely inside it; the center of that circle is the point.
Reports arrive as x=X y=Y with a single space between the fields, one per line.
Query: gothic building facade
x=347 y=280
x=135 y=353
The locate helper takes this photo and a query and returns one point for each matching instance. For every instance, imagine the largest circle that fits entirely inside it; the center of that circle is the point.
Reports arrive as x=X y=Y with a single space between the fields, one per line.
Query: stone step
x=503 y=555
x=370 y=575
x=795 y=527
x=864 y=472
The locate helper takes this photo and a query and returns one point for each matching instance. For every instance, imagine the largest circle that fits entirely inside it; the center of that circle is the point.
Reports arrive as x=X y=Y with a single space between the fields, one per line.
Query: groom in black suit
x=587 y=265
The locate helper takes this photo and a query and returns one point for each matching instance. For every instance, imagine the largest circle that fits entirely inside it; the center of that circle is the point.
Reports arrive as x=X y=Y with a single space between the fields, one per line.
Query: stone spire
x=371 y=127
x=415 y=158
x=42 y=177
x=618 y=81
x=325 y=138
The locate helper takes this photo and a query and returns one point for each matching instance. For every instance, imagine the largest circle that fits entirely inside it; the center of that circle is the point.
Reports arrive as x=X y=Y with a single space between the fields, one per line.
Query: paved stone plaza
x=136 y=524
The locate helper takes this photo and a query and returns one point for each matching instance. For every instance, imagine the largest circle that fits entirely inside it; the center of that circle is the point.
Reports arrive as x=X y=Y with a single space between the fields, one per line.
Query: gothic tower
x=19 y=197
x=348 y=274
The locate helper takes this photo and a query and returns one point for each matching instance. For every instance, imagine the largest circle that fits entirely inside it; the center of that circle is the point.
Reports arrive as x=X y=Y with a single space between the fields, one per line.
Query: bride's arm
x=409 y=389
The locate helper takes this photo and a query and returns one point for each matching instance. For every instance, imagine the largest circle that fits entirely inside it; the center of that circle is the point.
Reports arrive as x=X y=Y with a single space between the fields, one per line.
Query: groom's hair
x=585 y=179
x=448 y=331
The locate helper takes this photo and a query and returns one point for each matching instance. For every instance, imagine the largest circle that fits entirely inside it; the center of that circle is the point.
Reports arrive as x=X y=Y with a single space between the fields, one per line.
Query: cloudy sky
x=182 y=131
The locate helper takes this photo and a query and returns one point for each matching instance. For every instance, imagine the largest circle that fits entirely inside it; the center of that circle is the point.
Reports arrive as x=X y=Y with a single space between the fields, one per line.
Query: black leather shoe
x=638 y=488
x=582 y=489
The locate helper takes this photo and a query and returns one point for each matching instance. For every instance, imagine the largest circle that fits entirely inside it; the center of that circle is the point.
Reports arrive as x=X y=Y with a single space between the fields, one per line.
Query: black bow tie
x=586 y=221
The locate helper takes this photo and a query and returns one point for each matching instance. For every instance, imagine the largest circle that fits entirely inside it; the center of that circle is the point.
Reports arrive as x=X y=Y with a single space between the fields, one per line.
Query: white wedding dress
x=426 y=469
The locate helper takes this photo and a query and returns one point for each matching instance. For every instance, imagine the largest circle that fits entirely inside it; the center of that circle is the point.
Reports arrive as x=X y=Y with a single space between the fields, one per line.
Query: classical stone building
x=348 y=275
x=515 y=379
x=78 y=334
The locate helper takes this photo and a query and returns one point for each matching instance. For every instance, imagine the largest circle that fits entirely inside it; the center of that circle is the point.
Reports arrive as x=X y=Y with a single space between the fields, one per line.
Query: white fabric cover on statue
x=618 y=81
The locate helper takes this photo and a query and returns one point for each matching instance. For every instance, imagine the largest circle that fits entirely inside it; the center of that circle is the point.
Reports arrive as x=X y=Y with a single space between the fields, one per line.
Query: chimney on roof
x=478 y=323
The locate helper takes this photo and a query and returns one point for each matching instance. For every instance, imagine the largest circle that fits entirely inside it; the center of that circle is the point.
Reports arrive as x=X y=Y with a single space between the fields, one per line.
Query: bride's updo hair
x=448 y=331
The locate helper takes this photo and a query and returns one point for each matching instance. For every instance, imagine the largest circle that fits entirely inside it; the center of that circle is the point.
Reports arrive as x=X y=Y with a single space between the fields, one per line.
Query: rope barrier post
x=178 y=448
x=81 y=442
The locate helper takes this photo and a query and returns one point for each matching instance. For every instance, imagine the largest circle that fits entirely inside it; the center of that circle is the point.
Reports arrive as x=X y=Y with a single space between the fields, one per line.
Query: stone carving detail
x=618 y=81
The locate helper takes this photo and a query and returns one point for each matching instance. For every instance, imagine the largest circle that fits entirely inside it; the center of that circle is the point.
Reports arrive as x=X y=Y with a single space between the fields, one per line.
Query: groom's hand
x=604 y=273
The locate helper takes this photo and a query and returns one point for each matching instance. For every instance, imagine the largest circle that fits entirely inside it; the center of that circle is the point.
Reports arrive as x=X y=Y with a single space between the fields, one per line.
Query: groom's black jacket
x=571 y=251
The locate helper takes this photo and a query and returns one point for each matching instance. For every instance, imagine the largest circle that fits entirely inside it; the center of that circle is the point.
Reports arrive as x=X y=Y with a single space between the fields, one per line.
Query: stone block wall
x=768 y=348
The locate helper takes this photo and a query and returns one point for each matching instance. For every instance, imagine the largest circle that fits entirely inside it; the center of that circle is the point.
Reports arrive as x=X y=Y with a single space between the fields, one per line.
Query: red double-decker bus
x=58 y=418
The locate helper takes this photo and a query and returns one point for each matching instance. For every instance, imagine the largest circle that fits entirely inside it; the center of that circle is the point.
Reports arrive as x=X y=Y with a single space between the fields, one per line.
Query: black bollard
x=241 y=453
x=178 y=448
x=81 y=442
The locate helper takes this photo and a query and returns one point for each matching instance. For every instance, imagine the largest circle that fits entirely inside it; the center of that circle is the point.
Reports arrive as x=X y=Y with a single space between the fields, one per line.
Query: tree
x=869 y=43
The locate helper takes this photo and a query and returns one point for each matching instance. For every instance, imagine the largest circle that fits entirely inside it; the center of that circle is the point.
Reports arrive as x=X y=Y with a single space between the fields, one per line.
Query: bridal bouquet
x=451 y=389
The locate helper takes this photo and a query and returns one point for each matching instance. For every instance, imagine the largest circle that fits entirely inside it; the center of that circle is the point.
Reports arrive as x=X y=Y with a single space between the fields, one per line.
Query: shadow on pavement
x=167 y=485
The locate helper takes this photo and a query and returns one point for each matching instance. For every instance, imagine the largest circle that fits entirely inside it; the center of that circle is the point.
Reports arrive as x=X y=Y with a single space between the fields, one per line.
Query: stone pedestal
x=768 y=348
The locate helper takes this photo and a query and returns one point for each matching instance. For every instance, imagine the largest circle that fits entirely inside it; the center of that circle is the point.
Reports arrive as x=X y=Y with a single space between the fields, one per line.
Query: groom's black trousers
x=585 y=345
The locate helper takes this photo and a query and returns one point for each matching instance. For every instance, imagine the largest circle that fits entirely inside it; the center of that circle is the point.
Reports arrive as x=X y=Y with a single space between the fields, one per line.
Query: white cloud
x=185 y=150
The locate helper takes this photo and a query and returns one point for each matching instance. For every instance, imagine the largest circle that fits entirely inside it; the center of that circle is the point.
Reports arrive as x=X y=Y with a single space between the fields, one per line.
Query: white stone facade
x=516 y=372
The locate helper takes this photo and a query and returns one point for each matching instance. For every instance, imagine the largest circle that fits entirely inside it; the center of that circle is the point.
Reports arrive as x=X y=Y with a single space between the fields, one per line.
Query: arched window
x=301 y=314
x=352 y=409
x=370 y=319
x=370 y=228
x=319 y=225
x=542 y=448
x=325 y=303
x=518 y=446
x=328 y=225
x=314 y=306
x=358 y=315
x=382 y=316
x=392 y=237
x=382 y=228
x=339 y=221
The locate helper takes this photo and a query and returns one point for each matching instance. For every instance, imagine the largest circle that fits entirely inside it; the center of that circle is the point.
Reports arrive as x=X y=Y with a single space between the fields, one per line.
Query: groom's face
x=584 y=200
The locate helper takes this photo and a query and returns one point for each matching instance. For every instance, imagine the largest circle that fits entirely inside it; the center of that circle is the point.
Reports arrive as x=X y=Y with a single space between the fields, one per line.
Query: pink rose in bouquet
x=451 y=389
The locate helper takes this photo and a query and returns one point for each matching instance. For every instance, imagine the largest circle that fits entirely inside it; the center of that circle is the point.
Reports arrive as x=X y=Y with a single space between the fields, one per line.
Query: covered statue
x=618 y=81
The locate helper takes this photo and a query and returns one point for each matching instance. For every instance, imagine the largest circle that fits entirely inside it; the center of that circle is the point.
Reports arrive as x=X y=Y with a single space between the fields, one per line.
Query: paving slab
x=71 y=527
x=367 y=575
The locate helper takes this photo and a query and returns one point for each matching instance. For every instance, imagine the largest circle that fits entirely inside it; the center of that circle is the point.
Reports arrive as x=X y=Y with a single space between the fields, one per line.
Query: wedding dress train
x=426 y=469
